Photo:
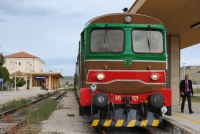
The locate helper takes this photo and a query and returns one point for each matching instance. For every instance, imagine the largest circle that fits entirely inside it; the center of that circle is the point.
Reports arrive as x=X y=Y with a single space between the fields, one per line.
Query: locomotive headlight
x=93 y=87
x=101 y=99
x=128 y=19
x=154 y=76
x=164 y=109
x=100 y=76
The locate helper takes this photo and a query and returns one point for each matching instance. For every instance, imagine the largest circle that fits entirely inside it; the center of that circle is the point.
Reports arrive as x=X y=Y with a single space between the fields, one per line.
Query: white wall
x=24 y=64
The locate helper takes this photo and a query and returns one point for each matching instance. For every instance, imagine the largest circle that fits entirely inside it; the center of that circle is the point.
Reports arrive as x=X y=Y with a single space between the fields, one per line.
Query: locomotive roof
x=119 y=18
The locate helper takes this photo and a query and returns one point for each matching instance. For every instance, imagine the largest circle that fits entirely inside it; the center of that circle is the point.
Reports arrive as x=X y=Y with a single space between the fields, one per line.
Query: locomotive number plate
x=127 y=61
x=118 y=98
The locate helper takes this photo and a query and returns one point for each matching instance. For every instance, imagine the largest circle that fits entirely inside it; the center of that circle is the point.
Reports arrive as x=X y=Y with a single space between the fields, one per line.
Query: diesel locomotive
x=120 y=76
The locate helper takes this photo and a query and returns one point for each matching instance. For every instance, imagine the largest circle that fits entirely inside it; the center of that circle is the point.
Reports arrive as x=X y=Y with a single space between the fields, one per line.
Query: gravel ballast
x=66 y=120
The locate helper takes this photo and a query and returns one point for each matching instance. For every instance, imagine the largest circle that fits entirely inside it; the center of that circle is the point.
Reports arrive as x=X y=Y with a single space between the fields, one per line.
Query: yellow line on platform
x=193 y=120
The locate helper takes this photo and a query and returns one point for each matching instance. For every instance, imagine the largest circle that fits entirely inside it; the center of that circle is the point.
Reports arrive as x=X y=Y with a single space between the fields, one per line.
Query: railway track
x=145 y=130
x=13 y=127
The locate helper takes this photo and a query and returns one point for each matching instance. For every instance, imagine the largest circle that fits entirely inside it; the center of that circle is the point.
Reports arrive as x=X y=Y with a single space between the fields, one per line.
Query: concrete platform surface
x=8 y=96
x=187 y=121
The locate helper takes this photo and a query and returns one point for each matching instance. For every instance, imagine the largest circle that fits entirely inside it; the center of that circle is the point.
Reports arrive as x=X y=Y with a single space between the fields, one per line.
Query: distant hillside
x=194 y=73
x=67 y=79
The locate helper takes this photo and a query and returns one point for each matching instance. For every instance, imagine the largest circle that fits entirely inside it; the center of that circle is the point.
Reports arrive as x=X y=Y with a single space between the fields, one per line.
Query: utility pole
x=15 y=75
x=184 y=69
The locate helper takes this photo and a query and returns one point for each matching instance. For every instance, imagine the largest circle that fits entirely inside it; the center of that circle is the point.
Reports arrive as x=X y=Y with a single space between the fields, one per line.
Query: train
x=120 y=78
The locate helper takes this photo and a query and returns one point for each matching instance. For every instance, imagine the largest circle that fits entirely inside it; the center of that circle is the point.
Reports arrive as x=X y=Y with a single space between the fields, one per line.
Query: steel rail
x=26 y=105
x=14 y=129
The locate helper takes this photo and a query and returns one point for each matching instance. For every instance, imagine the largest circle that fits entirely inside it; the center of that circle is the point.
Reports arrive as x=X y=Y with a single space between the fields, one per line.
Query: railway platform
x=189 y=123
x=8 y=96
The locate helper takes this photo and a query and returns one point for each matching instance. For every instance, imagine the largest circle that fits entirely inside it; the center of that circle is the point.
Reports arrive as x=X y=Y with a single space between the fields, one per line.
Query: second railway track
x=10 y=126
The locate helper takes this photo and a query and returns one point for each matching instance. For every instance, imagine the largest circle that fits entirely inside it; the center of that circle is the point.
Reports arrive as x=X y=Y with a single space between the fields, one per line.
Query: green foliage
x=4 y=74
x=194 y=82
x=4 y=88
x=198 y=72
x=15 y=104
x=3 y=70
x=71 y=89
x=55 y=91
x=188 y=68
x=65 y=89
x=67 y=83
x=70 y=85
x=70 y=115
x=40 y=95
x=42 y=113
x=19 y=81
x=23 y=111
x=48 y=93
x=195 y=99
x=196 y=90
x=2 y=60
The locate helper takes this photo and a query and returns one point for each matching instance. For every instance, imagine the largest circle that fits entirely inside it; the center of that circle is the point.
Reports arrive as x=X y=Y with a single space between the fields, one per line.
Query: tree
x=2 y=60
x=3 y=71
x=19 y=82
x=4 y=74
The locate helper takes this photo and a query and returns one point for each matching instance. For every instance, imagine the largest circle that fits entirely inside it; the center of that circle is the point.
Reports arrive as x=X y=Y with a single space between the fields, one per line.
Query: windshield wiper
x=148 y=41
x=104 y=39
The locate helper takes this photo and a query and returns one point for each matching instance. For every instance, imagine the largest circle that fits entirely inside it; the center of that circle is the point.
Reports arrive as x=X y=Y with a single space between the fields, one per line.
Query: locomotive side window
x=145 y=41
x=107 y=40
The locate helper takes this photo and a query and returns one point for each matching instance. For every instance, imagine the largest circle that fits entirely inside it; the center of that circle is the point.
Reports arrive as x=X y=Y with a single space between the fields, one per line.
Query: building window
x=11 y=65
x=28 y=66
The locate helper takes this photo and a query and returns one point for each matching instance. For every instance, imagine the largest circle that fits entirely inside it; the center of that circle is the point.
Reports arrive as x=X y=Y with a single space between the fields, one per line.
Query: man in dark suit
x=186 y=91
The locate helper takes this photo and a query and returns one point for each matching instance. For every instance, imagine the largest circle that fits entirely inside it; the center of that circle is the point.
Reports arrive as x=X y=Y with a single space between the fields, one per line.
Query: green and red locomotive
x=120 y=77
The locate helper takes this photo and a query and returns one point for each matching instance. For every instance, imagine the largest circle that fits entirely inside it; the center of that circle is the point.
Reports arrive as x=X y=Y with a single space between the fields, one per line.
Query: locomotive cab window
x=146 y=41
x=107 y=40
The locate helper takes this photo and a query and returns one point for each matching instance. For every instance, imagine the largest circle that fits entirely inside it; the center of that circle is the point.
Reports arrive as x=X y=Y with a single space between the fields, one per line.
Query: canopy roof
x=45 y=74
x=178 y=17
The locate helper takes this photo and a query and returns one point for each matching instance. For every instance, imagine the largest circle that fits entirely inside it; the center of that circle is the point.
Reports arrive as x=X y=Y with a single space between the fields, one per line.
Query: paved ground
x=8 y=96
x=191 y=122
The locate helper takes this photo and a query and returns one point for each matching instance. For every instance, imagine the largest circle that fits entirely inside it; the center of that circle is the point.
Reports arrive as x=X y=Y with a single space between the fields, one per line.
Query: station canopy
x=180 y=17
x=45 y=74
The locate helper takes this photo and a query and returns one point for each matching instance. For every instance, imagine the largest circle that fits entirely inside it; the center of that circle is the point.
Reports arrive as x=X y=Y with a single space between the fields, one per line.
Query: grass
x=72 y=115
x=70 y=89
x=196 y=90
x=48 y=93
x=23 y=111
x=40 y=95
x=193 y=99
x=15 y=103
x=7 y=119
x=34 y=118
x=42 y=113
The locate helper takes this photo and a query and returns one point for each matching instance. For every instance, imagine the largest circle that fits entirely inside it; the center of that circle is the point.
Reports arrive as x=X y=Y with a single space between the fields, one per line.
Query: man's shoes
x=182 y=111
x=191 y=112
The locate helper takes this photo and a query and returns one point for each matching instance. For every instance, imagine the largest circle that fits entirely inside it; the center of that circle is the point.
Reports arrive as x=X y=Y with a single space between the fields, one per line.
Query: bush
x=4 y=88
x=15 y=104
x=40 y=95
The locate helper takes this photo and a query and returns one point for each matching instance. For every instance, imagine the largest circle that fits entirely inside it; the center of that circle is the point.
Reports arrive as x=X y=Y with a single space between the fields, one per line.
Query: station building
x=31 y=68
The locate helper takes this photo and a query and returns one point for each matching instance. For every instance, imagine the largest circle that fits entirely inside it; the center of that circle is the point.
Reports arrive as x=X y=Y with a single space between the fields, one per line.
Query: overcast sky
x=50 y=29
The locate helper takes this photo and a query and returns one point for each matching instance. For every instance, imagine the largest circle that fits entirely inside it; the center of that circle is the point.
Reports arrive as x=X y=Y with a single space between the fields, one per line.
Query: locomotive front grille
x=126 y=86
